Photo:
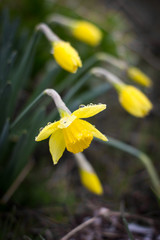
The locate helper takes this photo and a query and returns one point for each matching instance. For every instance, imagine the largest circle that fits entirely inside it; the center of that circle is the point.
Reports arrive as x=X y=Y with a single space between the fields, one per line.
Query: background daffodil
x=65 y=55
x=70 y=131
x=82 y=30
x=87 y=32
x=134 y=101
x=138 y=76
x=88 y=175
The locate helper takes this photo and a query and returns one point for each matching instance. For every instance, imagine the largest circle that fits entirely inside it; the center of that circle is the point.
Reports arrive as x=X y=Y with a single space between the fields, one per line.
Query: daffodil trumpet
x=70 y=131
x=83 y=30
x=88 y=176
x=130 y=97
x=65 y=55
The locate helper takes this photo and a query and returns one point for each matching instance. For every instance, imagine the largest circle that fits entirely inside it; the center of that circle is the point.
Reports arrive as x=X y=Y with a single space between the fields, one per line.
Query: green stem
x=147 y=162
x=71 y=78
x=26 y=110
x=76 y=87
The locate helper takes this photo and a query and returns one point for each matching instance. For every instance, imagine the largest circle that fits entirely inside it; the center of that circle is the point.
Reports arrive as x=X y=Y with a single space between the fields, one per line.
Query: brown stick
x=79 y=228
x=105 y=213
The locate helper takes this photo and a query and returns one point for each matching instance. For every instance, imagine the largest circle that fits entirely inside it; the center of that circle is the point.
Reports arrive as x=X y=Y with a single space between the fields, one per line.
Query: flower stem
x=105 y=57
x=147 y=162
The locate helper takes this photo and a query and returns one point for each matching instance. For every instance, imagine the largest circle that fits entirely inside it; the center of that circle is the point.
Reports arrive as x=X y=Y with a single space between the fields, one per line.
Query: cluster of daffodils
x=71 y=132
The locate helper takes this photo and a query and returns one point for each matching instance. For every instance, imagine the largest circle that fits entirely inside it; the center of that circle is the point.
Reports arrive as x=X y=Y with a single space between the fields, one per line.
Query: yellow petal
x=91 y=182
x=66 y=56
x=89 y=111
x=77 y=137
x=138 y=76
x=56 y=145
x=47 y=131
x=87 y=32
x=134 y=101
x=94 y=131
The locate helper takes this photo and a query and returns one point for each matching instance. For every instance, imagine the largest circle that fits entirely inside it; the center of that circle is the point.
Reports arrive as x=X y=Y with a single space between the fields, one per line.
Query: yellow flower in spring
x=138 y=76
x=134 y=101
x=66 y=56
x=71 y=131
x=91 y=181
x=87 y=32
x=88 y=176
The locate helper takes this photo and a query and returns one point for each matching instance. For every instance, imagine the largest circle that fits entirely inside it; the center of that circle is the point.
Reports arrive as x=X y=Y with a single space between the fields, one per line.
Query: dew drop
x=81 y=106
x=48 y=123
x=91 y=104
x=41 y=129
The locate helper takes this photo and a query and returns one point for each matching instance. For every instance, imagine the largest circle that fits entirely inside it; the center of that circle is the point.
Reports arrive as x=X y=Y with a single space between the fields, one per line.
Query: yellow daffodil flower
x=131 y=98
x=66 y=56
x=87 y=32
x=138 y=76
x=134 y=101
x=91 y=182
x=87 y=174
x=70 y=131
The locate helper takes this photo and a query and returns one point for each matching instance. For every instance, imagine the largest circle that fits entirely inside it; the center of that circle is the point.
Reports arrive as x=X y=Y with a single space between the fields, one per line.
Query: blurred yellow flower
x=138 y=76
x=71 y=132
x=66 y=56
x=134 y=101
x=91 y=181
x=87 y=32
x=88 y=176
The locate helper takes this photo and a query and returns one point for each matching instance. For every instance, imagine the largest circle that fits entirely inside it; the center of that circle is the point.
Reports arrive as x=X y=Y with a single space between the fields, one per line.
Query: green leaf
x=145 y=160
x=89 y=96
x=6 y=55
x=46 y=82
x=127 y=229
x=4 y=138
x=22 y=73
x=10 y=171
x=73 y=77
x=4 y=100
x=76 y=87
x=27 y=110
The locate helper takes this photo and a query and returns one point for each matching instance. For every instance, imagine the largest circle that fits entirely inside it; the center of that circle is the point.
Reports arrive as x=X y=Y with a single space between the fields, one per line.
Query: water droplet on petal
x=41 y=129
x=81 y=106
x=90 y=105
x=48 y=123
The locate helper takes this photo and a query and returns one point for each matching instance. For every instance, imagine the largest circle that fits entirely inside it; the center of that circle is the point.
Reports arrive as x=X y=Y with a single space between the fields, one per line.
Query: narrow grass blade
x=127 y=229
